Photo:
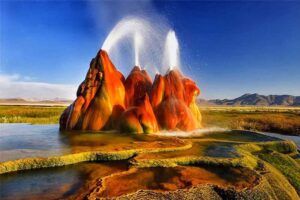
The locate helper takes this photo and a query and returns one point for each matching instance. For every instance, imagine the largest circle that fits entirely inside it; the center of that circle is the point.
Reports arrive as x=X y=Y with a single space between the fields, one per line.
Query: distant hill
x=20 y=101
x=255 y=100
x=244 y=100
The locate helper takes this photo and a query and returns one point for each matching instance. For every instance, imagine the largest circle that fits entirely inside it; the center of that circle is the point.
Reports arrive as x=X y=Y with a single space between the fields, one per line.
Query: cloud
x=17 y=86
x=8 y=78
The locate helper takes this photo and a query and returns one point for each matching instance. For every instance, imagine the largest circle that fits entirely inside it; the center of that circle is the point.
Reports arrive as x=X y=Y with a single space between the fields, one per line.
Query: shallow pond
x=199 y=148
x=293 y=138
x=79 y=180
x=238 y=136
x=25 y=140
x=55 y=183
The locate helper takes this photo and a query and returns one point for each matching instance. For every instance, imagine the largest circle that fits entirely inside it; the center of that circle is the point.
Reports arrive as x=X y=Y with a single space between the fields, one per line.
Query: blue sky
x=228 y=48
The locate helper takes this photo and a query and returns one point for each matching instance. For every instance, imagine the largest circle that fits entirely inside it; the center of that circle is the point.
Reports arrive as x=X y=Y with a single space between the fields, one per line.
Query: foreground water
x=55 y=183
x=295 y=139
x=19 y=141
x=24 y=140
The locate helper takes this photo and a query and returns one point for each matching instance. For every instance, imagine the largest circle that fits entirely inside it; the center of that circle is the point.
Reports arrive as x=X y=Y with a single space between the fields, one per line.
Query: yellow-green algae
x=279 y=156
x=54 y=161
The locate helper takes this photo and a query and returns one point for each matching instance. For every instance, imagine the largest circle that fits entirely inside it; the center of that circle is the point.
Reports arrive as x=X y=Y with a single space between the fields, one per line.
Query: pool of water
x=293 y=138
x=56 y=183
x=25 y=140
x=199 y=148
x=83 y=179
x=238 y=136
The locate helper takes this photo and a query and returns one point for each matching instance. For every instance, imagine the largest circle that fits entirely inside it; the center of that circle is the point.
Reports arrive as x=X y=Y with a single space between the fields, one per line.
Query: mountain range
x=21 y=101
x=255 y=100
x=244 y=100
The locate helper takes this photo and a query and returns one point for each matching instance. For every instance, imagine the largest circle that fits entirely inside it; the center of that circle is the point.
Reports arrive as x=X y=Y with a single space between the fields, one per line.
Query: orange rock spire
x=173 y=100
x=100 y=98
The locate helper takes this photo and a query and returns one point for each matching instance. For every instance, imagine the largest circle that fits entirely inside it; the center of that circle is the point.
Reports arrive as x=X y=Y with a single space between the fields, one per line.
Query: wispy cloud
x=17 y=86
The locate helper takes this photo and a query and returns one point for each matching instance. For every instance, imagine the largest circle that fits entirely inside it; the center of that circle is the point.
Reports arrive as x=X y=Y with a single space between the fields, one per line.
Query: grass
x=286 y=165
x=55 y=161
x=277 y=120
x=30 y=114
x=276 y=162
x=285 y=120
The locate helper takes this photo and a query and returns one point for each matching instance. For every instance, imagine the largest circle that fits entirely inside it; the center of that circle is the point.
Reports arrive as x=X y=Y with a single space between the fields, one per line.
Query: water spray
x=140 y=38
x=172 y=50
x=137 y=43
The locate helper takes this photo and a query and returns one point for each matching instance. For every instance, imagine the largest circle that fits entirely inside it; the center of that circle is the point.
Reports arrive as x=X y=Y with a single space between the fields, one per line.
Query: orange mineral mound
x=105 y=100
x=100 y=98
x=139 y=118
x=137 y=85
x=173 y=99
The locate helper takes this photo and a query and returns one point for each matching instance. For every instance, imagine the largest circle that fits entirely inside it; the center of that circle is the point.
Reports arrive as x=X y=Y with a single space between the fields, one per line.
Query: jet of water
x=139 y=38
x=137 y=44
x=171 y=55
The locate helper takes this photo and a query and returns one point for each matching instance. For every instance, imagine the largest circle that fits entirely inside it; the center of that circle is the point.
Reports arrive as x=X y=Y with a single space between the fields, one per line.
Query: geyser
x=106 y=100
x=141 y=39
x=137 y=44
x=172 y=50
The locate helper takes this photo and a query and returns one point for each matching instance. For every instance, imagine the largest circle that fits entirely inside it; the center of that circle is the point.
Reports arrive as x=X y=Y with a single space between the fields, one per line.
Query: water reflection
x=56 y=183
x=25 y=140
x=199 y=148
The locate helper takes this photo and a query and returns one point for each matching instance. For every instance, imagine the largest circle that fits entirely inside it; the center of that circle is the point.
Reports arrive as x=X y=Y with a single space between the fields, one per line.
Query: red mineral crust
x=100 y=98
x=139 y=116
x=173 y=100
x=137 y=84
x=105 y=100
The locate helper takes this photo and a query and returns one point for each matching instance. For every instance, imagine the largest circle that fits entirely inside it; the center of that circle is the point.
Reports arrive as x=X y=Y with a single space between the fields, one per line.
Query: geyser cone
x=173 y=99
x=139 y=118
x=137 y=85
x=100 y=97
